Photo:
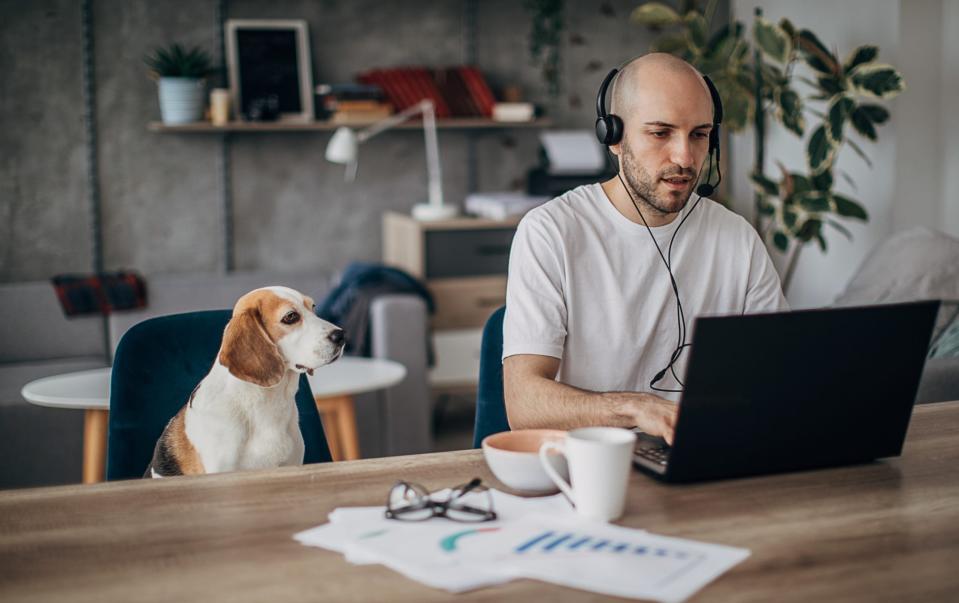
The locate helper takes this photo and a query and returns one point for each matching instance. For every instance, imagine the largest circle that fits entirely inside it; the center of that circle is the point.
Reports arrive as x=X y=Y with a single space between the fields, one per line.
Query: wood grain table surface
x=885 y=531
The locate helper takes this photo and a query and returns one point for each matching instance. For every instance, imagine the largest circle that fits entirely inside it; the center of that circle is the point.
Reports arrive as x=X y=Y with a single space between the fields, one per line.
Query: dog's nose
x=336 y=336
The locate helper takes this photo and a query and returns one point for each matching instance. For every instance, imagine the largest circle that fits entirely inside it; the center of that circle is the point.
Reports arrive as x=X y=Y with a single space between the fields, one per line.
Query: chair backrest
x=490 y=403
x=157 y=364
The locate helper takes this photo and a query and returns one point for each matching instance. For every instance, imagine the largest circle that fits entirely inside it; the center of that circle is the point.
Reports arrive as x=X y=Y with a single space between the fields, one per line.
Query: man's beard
x=643 y=186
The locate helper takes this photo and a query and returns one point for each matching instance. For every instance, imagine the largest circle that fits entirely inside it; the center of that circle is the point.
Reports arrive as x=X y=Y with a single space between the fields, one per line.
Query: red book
x=427 y=89
x=479 y=90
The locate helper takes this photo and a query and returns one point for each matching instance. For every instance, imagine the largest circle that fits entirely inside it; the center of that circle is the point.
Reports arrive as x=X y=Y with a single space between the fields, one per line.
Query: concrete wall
x=161 y=192
x=913 y=181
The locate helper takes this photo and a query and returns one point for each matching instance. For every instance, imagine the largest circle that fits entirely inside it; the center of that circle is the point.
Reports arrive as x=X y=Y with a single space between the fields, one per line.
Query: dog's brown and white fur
x=243 y=414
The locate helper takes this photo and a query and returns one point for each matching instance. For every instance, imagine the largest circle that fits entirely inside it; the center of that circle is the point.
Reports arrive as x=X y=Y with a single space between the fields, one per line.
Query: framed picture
x=269 y=68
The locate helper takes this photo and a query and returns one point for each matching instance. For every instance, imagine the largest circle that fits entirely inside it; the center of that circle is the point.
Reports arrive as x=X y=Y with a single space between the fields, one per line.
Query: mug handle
x=564 y=487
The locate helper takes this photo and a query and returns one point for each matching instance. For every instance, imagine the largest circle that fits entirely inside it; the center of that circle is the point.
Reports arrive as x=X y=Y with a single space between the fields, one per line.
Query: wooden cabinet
x=462 y=261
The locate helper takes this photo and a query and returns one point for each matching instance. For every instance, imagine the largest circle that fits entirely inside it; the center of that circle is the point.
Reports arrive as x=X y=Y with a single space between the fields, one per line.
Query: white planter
x=181 y=99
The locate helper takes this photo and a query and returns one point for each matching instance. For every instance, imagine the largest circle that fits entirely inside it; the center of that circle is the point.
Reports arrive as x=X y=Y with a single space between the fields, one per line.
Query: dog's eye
x=290 y=318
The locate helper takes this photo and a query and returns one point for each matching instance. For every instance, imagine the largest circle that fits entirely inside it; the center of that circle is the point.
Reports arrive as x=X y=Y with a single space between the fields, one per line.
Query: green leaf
x=838 y=112
x=737 y=106
x=830 y=86
x=764 y=184
x=787 y=26
x=840 y=228
x=863 y=125
x=697 y=29
x=820 y=151
x=875 y=113
x=814 y=201
x=789 y=218
x=862 y=154
x=800 y=183
x=823 y=181
x=848 y=208
x=809 y=229
x=655 y=14
x=863 y=54
x=781 y=241
x=816 y=55
x=772 y=40
x=670 y=43
x=821 y=240
x=881 y=81
x=790 y=111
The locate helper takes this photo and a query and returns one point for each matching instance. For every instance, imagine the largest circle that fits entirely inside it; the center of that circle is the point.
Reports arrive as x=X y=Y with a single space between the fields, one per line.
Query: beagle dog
x=243 y=414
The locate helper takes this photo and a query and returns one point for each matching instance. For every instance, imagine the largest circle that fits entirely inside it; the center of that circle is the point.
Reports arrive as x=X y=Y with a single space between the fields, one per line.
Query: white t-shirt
x=587 y=286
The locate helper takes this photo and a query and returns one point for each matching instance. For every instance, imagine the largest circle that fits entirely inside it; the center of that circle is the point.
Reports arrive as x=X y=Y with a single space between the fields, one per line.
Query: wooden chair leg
x=329 y=414
x=95 y=423
x=346 y=416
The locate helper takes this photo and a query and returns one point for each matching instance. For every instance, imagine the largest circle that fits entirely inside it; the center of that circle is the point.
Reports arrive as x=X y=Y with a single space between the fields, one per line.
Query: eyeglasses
x=412 y=502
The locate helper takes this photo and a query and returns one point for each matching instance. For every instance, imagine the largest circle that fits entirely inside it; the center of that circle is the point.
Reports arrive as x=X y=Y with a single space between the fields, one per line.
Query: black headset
x=609 y=131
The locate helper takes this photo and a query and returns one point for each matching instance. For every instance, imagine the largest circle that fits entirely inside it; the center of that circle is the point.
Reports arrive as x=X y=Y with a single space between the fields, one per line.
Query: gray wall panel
x=292 y=210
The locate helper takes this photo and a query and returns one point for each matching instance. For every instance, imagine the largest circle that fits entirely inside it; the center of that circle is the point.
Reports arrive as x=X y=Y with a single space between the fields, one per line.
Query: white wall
x=915 y=175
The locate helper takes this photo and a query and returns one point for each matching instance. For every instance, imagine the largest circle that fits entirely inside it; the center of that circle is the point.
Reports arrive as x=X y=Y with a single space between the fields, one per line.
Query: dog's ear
x=249 y=353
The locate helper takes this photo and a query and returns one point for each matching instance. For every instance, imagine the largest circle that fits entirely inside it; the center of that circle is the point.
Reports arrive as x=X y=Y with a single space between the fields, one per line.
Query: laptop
x=770 y=393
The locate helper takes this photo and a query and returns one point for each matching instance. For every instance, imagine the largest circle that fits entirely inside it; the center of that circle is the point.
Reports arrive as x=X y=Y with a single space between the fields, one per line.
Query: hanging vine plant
x=545 y=37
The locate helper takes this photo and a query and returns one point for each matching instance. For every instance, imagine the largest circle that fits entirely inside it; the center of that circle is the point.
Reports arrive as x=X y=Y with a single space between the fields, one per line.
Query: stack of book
x=352 y=103
x=455 y=91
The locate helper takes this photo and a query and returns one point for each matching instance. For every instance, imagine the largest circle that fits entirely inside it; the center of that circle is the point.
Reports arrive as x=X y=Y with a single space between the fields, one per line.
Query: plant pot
x=181 y=99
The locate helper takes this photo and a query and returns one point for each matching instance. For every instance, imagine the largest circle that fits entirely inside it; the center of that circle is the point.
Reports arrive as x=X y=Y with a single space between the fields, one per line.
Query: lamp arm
x=434 y=174
x=392 y=121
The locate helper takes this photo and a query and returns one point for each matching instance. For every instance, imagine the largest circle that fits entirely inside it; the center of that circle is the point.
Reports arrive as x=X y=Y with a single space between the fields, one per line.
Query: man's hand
x=653 y=415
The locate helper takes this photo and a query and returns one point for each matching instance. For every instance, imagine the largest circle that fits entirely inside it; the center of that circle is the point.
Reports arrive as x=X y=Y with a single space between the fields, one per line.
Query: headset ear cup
x=602 y=130
x=714 y=139
x=615 y=129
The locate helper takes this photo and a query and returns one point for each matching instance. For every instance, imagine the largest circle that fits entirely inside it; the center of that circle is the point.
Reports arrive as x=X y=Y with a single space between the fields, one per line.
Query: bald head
x=641 y=84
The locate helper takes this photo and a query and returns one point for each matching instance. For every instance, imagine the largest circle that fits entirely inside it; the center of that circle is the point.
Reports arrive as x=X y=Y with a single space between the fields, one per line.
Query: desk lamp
x=343 y=149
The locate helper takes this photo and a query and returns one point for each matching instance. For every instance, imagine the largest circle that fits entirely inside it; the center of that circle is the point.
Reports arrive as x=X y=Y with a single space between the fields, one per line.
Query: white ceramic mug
x=599 y=462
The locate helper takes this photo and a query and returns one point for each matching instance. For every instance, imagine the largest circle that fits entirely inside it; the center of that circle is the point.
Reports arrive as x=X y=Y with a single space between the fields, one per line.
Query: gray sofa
x=912 y=265
x=42 y=446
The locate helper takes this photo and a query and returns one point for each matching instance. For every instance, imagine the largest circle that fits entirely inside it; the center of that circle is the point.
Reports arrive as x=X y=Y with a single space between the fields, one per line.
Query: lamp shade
x=342 y=147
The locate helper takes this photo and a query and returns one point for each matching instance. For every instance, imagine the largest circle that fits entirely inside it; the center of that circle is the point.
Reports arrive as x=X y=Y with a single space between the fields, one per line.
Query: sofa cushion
x=39 y=330
x=177 y=293
x=911 y=265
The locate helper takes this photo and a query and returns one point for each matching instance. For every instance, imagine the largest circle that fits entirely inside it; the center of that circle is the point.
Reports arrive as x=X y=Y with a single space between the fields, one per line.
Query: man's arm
x=535 y=400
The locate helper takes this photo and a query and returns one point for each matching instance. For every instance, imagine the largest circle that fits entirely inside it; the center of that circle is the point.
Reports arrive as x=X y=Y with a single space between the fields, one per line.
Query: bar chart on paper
x=601 y=558
x=549 y=541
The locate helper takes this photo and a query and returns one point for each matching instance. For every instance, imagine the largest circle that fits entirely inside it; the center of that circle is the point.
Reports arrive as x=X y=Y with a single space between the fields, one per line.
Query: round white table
x=333 y=385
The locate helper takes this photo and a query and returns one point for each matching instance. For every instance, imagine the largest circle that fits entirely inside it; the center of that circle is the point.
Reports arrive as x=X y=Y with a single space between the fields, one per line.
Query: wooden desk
x=887 y=531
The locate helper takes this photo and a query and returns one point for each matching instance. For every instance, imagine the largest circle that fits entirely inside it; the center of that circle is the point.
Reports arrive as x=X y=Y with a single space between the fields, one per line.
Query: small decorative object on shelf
x=181 y=76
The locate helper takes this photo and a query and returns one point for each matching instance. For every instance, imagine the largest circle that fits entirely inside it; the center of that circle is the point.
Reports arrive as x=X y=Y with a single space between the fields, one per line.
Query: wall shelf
x=460 y=123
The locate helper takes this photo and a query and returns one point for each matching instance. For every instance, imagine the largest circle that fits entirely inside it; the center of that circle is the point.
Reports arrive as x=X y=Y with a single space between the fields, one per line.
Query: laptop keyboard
x=660 y=456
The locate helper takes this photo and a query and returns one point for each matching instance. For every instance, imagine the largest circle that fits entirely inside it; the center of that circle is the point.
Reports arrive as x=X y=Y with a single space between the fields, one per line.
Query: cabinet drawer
x=455 y=253
x=466 y=302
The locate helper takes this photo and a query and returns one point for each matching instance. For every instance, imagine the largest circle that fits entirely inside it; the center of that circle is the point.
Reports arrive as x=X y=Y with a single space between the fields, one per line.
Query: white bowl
x=513 y=457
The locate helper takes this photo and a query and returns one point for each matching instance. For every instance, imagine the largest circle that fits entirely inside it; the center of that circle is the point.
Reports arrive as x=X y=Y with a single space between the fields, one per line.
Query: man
x=591 y=312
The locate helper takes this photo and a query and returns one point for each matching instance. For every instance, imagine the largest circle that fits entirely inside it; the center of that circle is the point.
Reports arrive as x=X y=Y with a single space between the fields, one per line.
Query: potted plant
x=757 y=79
x=181 y=75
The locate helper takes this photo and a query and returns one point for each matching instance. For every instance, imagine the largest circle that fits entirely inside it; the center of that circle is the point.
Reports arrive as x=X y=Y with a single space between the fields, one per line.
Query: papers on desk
x=539 y=538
